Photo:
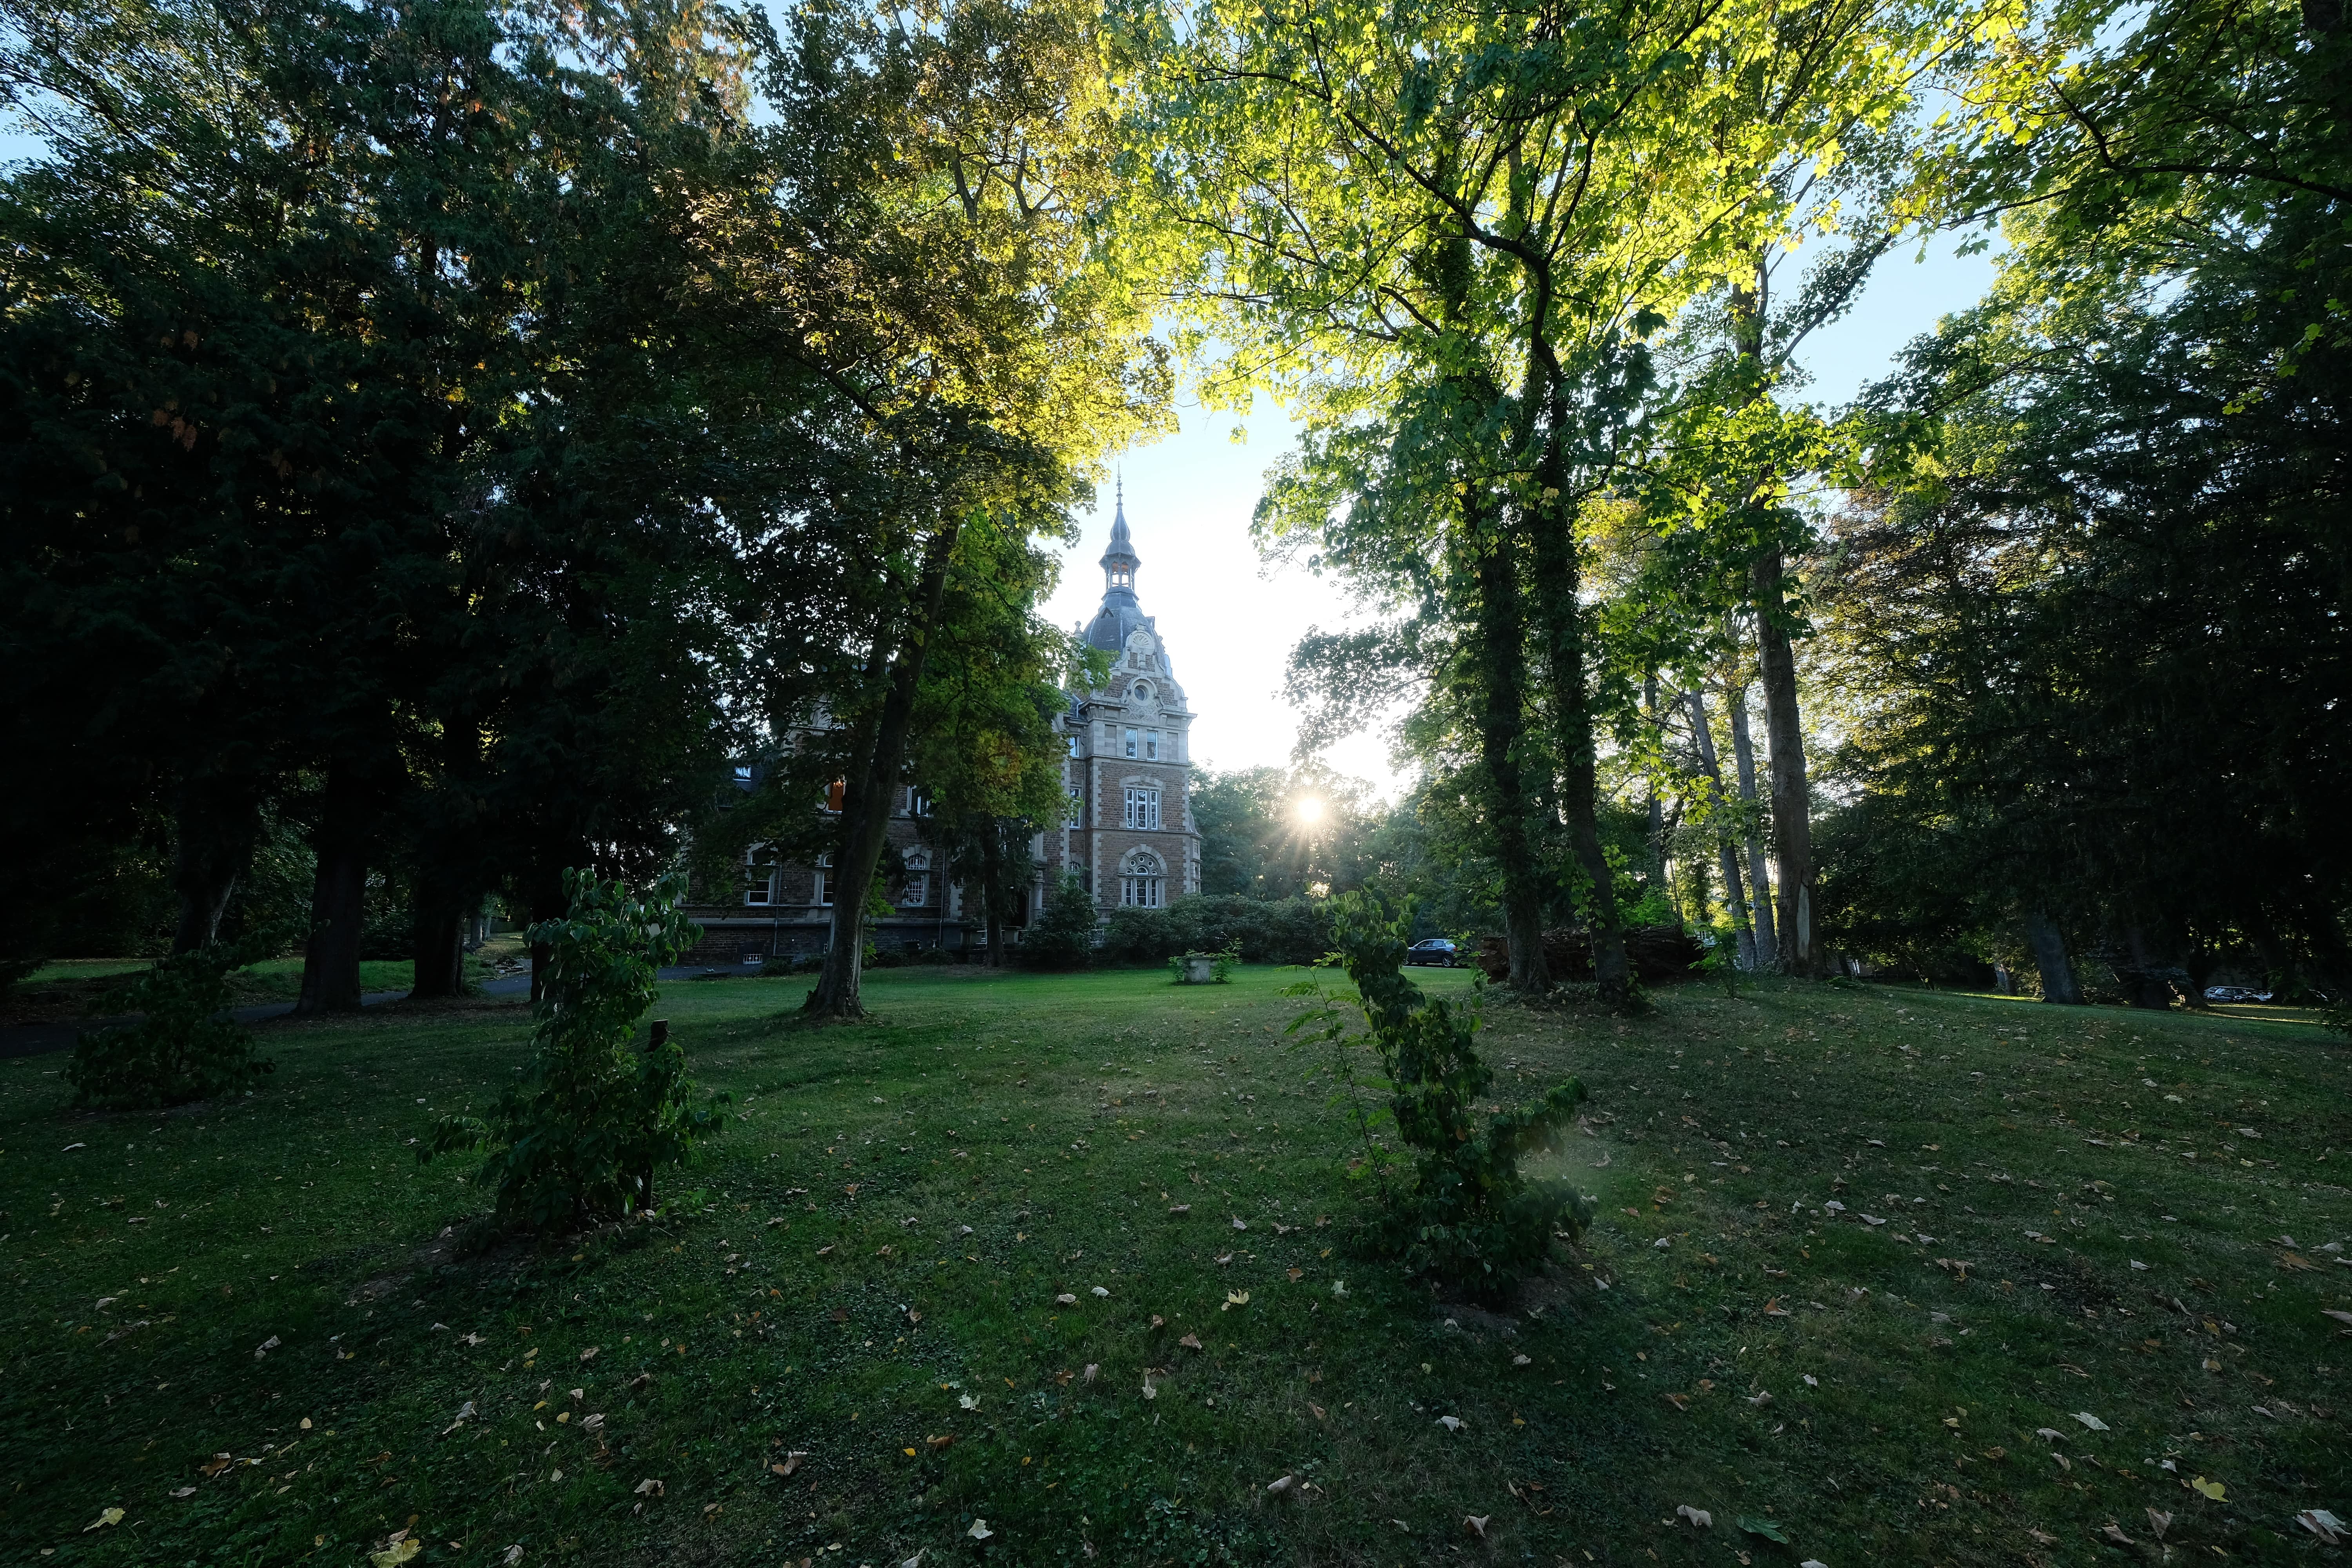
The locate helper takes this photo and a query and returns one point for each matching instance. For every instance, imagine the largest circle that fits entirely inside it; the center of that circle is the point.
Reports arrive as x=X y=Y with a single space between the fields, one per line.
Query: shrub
x=1140 y=936
x=1262 y=930
x=581 y=1130
x=1471 y=1219
x=1063 y=937
x=185 y=1046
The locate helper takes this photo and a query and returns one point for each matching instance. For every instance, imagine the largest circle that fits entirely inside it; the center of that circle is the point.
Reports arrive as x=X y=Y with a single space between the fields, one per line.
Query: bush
x=1140 y=936
x=1063 y=936
x=186 y=1047
x=1262 y=931
x=1471 y=1220
x=581 y=1130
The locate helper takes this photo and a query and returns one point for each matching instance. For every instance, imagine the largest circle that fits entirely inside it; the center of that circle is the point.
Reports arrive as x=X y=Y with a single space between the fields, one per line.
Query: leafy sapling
x=1470 y=1219
x=579 y=1133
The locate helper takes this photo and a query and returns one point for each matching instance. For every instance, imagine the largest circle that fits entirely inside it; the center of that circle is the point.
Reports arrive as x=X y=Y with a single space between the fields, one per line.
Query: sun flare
x=1310 y=810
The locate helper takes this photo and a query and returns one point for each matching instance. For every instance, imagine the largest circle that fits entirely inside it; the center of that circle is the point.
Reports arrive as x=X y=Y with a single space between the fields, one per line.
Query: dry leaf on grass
x=1065 y=1300
x=106 y=1518
x=2324 y=1524
x=980 y=1531
x=1191 y=1341
x=1451 y=1422
x=1281 y=1484
x=2159 y=1522
x=1699 y=1518
x=2093 y=1422
x=649 y=1488
x=2212 y=1490
x=2114 y=1532
x=1476 y=1524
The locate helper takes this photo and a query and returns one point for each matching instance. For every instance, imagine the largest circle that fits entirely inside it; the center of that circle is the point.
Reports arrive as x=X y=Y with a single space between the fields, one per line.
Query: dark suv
x=1436 y=950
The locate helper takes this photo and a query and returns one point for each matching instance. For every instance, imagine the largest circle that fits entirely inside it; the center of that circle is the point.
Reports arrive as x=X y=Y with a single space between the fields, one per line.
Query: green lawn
x=78 y=988
x=248 y=1328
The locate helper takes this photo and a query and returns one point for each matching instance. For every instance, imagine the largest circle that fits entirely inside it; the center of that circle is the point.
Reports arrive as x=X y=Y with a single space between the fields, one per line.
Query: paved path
x=41 y=1039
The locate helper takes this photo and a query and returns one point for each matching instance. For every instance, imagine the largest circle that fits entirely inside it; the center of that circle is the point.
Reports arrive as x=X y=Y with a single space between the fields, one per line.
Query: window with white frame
x=759 y=874
x=1142 y=882
x=1134 y=738
x=917 y=803
x=1152 y=745
x=1073 y=745
x=917 y=892
x=825 y=880
x=1077 y=809
x=1142 y=807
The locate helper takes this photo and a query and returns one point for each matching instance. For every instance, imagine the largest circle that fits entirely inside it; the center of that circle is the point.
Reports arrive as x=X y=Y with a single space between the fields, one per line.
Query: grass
x=254 y=1328
x=96 y=987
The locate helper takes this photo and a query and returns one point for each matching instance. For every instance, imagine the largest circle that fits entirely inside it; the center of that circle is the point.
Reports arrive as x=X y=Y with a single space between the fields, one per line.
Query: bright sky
x=1230 y=622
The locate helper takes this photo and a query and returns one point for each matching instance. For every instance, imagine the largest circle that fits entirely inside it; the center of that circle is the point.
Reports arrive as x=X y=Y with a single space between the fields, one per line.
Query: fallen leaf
x=1699 y=1518
x=1451 y=1422
x=1313 y=1408
x=398 y=1553
x=2214 y=1491
x=590 y=1353
x=1191 y=1341
x=1065 y=1300
x=513 y=1555
x=1766 y=1528
x=1100 y=1291
x=107 y=1517
x=1235 y=1299
x=2159 y=1522
x=2043 y=1536
x=2114 y=1532
x=649 y=1488
x=186 y=1491
x=2050 y=1432
x=2093 y=1422
x=980 y=1531
x=1281 y=1484
x=2339 y=1317
x=2324 y=1524
x=1476 y=1524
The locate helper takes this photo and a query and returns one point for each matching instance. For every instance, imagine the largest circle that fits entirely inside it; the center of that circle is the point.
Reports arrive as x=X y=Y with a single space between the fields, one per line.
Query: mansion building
x=1128 y=835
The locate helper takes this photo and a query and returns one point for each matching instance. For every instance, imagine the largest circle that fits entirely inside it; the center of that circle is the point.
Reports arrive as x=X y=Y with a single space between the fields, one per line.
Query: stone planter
x=1200 y=969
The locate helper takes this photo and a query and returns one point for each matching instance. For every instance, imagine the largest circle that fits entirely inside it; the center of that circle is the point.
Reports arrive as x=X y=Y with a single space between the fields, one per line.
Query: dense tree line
x=2036 y=649
x=451 y=434
x=446 y=438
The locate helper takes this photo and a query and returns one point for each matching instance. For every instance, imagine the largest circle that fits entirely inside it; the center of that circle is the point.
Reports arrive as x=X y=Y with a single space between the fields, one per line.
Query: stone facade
x=1129 y=835
x=785 y=910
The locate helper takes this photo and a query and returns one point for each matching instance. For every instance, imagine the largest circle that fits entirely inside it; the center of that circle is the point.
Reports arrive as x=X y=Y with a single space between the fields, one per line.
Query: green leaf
x=1763 y=1527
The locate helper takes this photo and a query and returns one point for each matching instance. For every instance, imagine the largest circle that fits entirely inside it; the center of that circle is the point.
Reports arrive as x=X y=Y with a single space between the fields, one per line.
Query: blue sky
x=1230 y=622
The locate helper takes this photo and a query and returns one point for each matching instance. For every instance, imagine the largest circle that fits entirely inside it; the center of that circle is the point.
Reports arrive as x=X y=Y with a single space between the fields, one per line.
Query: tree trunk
x=1658 y=838
x=330 y=961
x=213 y=833
x=1498 y=639
x=1792 y=829
x=2142 y=988
x=2049 y=950
x=1562 y=618
x=438 y=947
x=1759 y=874
x=992 y=890
x=866 y=803
x=1734 y=897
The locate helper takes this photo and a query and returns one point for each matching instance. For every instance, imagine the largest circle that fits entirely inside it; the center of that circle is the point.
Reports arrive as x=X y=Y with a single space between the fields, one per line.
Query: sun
x=1310 y=811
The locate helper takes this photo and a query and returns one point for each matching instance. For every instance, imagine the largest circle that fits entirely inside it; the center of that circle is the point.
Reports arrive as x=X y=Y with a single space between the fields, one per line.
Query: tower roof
x=1121 y=551
x=1121 y=611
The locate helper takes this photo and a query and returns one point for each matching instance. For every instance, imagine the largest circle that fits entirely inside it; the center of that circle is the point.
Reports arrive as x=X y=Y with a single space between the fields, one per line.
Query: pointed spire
x=1119 y=560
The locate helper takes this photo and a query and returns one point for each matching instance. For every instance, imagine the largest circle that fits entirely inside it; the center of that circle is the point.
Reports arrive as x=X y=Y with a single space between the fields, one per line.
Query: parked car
x=2235 y=994
x=1436 y=950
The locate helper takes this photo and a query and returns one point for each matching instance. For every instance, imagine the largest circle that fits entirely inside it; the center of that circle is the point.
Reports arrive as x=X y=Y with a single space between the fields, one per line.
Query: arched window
x=1142 y=881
